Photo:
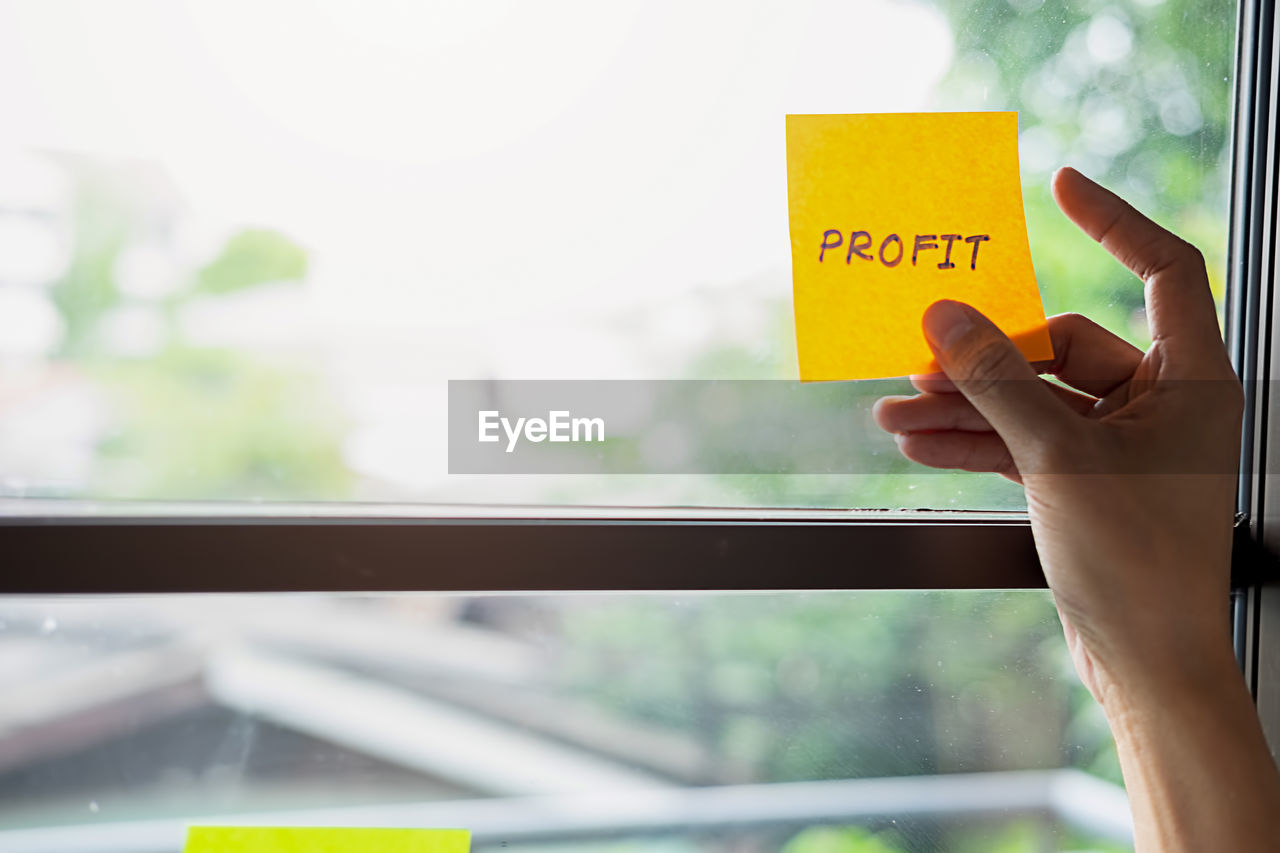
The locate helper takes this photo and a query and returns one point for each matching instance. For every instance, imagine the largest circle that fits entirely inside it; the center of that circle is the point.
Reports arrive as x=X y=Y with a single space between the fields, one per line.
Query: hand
x=1130 y=478
x=1130 y=482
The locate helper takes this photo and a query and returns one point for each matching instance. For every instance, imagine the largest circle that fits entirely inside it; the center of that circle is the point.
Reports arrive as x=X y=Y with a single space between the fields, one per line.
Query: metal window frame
x=1252 y=317
x=352 y=548
x=503 y=549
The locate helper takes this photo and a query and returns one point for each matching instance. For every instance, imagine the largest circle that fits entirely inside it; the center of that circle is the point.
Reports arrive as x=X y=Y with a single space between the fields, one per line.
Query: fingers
x=989 y=411
x=992 y=374
x=928 y=413
x=1180 y=305
x=933 y=383
x=932 y=412
x=965 y=451
x=1086 y=356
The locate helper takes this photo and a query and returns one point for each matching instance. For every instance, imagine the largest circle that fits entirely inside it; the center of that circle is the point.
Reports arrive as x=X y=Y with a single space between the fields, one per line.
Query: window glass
x=868 y=722
x=244 y=246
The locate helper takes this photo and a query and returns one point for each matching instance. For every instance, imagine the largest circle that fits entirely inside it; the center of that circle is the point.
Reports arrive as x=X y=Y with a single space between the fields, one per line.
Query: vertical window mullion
x=1250 y=325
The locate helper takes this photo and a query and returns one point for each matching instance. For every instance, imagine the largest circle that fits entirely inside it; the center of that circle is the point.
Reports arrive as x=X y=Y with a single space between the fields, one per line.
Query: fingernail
x=945 y=322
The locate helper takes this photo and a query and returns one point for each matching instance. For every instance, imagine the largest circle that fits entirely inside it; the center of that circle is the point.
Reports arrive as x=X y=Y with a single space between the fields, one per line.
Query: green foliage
x=794 y=687
x=1151 y=122
x=251 y=257
x=186 y=423
x=791 y=687
x=1017 y=836
x=104 y=214
x=1025 y=835
x=215 y=425
x=845 y=839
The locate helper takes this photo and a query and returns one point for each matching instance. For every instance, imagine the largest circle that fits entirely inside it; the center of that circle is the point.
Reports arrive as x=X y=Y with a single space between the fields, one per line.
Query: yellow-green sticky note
x=892 y=212
x=293 y=839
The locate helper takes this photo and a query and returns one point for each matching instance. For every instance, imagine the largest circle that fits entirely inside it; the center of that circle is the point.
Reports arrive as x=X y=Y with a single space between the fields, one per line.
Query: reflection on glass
x=242 y=248
x=882 y=722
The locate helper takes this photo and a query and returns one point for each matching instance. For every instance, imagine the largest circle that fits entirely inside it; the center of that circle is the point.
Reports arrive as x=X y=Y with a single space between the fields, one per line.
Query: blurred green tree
x=194 y=423
x=1135 y=94
x=252 y=257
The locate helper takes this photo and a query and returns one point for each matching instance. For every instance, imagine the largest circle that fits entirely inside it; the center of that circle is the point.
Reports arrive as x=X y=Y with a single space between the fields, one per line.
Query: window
x=248 y=245
x=672 y=721
x=250 y=276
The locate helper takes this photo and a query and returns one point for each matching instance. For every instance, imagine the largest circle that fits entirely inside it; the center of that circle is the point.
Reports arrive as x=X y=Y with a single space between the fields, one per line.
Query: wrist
x=1195 y=762
x=1195 y=679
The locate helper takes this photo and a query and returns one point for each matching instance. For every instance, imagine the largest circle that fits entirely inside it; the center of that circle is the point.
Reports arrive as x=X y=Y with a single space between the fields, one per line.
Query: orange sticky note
x=892 y=212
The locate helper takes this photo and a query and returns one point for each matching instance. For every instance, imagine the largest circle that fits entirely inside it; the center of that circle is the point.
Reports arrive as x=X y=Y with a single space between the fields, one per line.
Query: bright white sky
x=471 y=158
x=481 y=184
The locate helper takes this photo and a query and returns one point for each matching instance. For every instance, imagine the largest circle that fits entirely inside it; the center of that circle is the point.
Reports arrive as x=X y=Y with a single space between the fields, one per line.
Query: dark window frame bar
x=506 y=550
x=513 y=551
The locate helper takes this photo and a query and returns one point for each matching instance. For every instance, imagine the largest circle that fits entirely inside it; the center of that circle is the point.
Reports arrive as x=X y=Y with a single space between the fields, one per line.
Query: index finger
x=1180 y=306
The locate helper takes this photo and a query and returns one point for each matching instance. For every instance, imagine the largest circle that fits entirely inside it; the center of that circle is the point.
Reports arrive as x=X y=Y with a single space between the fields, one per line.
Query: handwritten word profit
x=892 y=249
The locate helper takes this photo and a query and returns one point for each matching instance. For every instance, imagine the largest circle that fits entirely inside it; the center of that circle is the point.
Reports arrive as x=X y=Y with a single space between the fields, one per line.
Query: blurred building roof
x=233 y=703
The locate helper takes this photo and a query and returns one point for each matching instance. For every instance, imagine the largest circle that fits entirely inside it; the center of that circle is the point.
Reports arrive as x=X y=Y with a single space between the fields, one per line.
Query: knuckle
x=1191 y=254
x=1187 y=256
x=1213 y=398
x=1176 y=254
x=1007 y=467
x=1066 y=326
x=986 y=365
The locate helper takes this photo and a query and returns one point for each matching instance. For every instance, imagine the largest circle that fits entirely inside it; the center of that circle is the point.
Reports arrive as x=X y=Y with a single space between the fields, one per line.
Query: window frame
x=1253 y=315
x=474 y=549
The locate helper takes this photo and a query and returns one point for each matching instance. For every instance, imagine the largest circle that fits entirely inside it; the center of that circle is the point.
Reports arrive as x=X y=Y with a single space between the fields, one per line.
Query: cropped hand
x=1130 y=473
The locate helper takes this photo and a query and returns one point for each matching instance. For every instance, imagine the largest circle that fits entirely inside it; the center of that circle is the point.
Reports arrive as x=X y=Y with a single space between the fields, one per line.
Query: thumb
x=987 y=368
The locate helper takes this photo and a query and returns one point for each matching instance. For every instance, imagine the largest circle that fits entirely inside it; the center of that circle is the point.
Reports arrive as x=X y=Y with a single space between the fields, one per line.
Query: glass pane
x=872 y=722
x=244 y=246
